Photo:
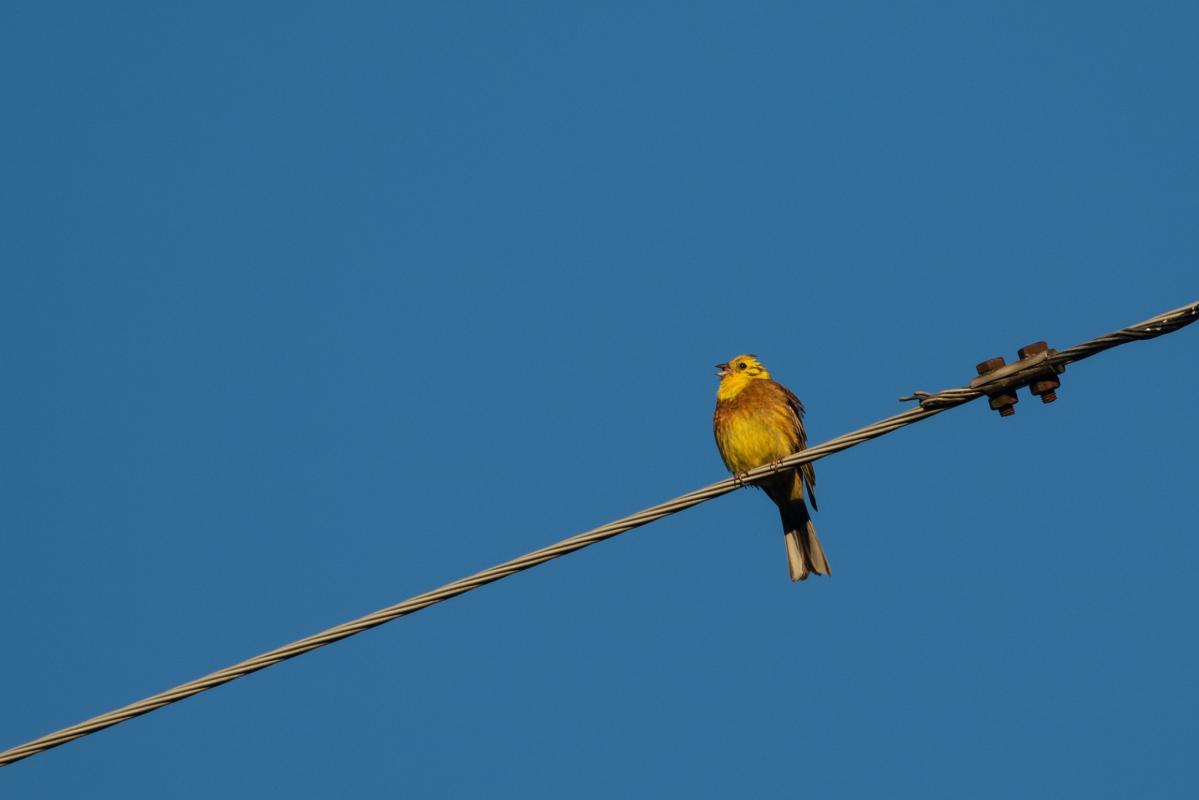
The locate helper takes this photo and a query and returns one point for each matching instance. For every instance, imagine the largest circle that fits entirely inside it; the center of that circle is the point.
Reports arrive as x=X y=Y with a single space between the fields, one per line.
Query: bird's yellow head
x=735 y=374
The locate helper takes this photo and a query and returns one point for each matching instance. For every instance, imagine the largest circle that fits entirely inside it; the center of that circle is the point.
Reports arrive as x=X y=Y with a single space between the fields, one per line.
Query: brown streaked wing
x=809 y=472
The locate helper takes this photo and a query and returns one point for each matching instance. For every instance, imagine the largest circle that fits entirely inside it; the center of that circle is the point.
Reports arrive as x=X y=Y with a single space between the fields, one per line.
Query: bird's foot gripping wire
x=776 y=465
x=739 y=479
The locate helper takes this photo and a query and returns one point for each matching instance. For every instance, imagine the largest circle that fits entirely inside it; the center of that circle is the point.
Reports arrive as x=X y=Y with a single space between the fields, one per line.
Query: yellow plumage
x=759 y=421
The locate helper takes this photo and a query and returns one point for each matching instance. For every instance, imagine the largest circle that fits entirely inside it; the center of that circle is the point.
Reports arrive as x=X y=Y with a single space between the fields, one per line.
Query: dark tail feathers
x=804 y=553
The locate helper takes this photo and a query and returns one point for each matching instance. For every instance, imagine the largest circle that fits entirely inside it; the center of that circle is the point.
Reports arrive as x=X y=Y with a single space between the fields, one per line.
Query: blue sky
x=308 y=309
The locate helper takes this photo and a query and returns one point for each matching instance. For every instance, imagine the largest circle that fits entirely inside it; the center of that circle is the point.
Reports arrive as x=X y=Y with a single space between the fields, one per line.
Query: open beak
x=724 y=369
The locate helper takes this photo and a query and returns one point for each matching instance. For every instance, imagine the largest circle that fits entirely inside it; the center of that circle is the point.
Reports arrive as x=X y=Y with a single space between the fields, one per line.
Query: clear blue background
x=308 y=308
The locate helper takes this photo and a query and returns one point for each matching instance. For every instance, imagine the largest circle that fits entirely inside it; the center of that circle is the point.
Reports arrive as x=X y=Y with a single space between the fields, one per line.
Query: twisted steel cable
x=931 y=404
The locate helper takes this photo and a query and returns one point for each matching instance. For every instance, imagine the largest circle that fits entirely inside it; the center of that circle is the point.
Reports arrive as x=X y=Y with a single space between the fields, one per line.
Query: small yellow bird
x=758 y=422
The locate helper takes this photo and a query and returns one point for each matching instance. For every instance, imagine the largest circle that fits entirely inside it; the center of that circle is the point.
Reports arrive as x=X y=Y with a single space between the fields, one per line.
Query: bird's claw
x=739 y=479
x=776 y=465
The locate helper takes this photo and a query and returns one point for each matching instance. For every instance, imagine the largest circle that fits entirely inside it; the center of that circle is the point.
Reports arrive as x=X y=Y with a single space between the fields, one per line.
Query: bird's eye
x=741 y=365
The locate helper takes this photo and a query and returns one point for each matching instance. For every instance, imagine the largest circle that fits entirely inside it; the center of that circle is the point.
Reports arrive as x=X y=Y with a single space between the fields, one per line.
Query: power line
x=1045 y=364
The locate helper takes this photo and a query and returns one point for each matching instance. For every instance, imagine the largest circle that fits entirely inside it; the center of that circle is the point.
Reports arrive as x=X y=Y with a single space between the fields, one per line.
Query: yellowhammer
x=757 y=422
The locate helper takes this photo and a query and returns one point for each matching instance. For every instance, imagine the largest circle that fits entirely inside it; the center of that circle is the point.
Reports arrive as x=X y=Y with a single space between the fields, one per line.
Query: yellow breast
x=755 y=427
